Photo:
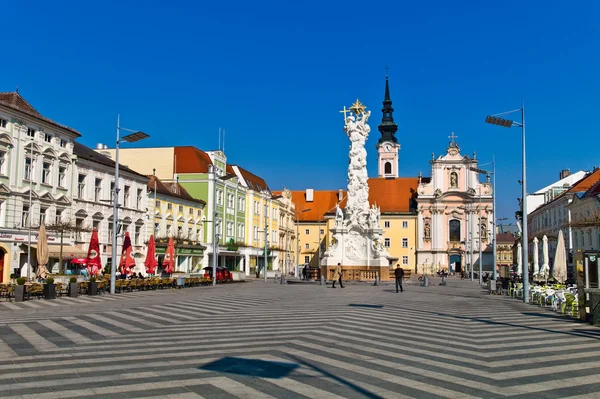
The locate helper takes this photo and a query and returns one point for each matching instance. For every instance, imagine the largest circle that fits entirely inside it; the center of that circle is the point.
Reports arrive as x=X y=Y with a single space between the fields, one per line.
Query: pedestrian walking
x=337 y=276
x=304 y=272
x=399 y=274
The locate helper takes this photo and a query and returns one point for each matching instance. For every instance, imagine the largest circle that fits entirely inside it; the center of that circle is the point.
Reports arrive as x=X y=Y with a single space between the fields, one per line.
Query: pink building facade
x=454 y=215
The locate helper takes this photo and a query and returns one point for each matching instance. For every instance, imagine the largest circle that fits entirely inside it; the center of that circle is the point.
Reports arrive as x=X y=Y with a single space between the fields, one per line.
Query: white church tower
x=388 y=147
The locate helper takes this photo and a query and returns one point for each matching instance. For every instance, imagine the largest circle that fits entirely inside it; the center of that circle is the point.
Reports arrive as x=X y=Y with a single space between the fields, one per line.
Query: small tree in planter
x=93 y=286
x=73 y=288
x=20 y=289
x=49 y=289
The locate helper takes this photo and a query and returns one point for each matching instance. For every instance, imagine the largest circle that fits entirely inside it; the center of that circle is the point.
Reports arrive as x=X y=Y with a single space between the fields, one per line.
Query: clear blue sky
x=275 y=74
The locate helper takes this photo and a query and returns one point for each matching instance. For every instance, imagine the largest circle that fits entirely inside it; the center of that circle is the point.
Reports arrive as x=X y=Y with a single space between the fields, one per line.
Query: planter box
x=49 y=291
x=93 y=288
x=19 y=293
x=180 y=282
x=238 y=276
x=73 y=290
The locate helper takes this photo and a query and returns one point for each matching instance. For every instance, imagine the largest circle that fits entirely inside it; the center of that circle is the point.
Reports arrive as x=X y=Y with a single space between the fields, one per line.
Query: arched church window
x=388 y=168
x=454 y=226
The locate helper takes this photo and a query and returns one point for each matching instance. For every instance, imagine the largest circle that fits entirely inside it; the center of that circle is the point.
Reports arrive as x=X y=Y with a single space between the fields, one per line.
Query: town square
x=282 y=200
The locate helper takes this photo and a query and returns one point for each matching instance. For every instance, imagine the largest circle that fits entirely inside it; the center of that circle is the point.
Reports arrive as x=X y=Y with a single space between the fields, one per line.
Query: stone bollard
x=282 y=279
x=322 y=280
x=376 y=279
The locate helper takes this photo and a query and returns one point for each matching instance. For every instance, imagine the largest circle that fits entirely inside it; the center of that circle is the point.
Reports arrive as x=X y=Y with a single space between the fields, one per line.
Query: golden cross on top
x=345 y=111
x=358 y=108
x=452 y=137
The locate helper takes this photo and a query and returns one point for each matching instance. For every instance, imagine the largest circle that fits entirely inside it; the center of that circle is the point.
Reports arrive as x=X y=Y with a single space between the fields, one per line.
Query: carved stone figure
x=453 y=180
x=427 y=231
x=357 y=228
x=484 y=228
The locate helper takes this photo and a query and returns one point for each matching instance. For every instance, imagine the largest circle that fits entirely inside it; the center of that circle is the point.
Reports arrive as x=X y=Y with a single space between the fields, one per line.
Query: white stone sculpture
x=357 y=233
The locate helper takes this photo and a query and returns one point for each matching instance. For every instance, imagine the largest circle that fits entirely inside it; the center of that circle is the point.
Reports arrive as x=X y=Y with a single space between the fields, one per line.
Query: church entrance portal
x=455 y=264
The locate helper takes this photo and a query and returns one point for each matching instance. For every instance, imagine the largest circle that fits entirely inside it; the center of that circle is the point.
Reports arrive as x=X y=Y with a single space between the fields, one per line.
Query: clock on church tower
x=388 y=147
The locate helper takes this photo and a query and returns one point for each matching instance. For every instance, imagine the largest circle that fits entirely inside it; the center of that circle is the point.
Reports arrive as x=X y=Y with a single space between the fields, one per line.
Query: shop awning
x=68 y=251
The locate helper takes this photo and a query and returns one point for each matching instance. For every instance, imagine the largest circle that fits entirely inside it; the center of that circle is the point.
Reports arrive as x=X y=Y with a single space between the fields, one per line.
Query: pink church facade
x=454 y=215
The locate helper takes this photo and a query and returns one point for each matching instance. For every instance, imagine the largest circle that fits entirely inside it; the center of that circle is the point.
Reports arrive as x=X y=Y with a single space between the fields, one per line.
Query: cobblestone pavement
x=258 y=340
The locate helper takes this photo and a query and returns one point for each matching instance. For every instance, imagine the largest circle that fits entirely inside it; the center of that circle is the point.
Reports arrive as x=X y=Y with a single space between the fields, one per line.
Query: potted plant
x=93 y=286
x=20 y=289
x=73 y=288
x=49 y=289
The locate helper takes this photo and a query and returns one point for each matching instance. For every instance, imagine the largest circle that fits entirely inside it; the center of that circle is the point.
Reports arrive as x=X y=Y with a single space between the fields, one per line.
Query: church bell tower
x=388 y=146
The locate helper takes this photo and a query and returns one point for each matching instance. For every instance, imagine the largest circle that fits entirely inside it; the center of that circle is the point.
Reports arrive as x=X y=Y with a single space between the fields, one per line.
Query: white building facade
x=93 y=191
x=36 y=153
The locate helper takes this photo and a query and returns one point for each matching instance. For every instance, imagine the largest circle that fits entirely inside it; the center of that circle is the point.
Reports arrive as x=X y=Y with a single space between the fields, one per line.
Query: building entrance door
x=455 y=264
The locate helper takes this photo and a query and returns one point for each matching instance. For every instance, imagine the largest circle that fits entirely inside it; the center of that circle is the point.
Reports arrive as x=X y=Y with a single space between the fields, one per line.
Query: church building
x=455 y=215
x=428 y=223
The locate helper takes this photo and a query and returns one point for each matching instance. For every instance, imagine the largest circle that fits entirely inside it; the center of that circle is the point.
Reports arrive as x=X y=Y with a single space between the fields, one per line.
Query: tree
x=63 y=227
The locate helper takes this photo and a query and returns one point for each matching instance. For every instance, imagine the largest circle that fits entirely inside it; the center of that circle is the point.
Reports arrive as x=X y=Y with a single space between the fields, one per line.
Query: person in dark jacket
x=399 y=273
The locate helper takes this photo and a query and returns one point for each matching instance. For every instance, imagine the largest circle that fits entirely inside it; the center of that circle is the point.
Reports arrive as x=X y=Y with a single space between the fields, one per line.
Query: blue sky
x=275 y=74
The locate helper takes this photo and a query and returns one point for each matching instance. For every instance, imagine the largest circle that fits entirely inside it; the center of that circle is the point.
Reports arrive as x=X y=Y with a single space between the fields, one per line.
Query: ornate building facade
x=455 y=215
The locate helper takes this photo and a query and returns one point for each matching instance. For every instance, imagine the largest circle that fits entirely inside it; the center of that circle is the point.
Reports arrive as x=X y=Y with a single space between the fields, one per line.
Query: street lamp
x=496 y=120
x=215 y=237
x=135 y=136
x=298 y=237
x=29 y=211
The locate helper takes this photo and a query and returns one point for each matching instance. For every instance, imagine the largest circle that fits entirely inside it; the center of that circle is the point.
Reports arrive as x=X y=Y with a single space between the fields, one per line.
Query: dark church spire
x=387 y=128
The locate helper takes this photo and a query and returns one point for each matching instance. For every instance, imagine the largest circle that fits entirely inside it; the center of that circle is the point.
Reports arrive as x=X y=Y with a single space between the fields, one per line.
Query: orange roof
x=587 y=182
x=505 y=238
x=391 y=195
x=254 y=182
x=189 y=159
x=323 y=202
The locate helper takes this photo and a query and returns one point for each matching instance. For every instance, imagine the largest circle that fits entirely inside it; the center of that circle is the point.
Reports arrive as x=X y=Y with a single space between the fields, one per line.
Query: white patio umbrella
x=545 y=271
x=519 y=259
x=536 y=260
x=559 y=269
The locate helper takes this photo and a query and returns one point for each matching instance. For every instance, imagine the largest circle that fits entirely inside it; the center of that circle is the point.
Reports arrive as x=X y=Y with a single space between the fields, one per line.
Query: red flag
x=169 y=260
x=151 y=262
x=93 y=261
x=127 y=262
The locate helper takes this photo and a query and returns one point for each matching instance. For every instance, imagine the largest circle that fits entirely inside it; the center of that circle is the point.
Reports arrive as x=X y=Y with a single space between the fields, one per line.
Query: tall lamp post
x=298 y=237
x=496 y=120
x=29 y=212
x=215 y=235
x=135 y=135
x=487 y=173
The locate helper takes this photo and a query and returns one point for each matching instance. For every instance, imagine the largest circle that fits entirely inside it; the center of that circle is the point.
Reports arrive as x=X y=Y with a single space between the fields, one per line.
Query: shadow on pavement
x=251 y=367
x=342 y=381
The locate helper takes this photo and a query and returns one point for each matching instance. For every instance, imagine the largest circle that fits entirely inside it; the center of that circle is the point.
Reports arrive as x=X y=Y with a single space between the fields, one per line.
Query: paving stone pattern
x=258 y=340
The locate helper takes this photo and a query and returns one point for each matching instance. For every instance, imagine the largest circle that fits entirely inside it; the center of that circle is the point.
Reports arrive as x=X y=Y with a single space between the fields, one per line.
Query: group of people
x=398 y=274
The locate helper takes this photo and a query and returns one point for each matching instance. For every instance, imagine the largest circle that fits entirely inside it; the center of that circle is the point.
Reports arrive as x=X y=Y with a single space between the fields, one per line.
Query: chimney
x=310 y=195
x=340 y=194
x=565 y=173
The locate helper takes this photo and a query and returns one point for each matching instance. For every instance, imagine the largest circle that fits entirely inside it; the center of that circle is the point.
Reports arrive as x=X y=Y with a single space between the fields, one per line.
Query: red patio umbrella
x=93 y=261
x=151 y=262
x=127 y=262
x=169 y=260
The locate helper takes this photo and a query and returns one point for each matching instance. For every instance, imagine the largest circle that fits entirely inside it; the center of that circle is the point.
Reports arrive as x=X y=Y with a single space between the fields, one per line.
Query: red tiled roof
x=583 y=185
x=390 y=195
x=323 y=201
x=587 y=182
x=393 y=195
x=14 y=100
x=254 y=182
x=171 y=189
x=190 y=159
x=505 y=238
